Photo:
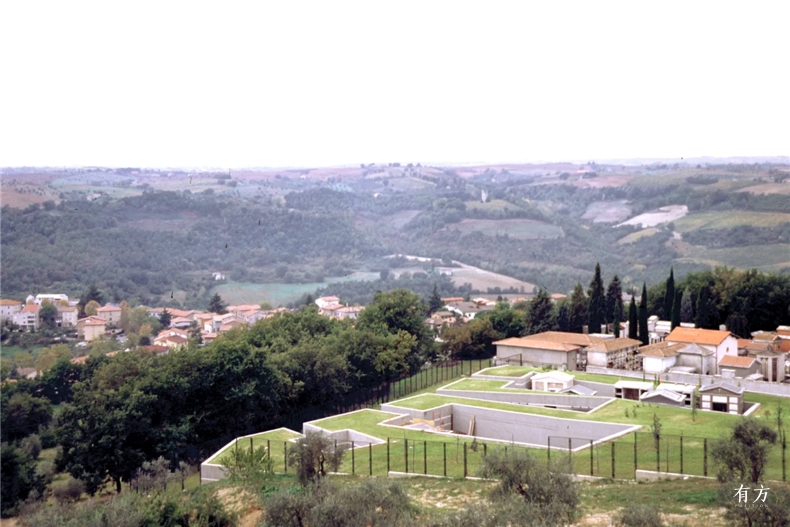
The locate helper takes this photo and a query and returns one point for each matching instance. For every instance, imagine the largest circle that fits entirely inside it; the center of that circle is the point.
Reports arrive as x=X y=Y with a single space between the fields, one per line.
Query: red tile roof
x=711 y=337
x=737 y=362
x=30 y=308
x=108 y=308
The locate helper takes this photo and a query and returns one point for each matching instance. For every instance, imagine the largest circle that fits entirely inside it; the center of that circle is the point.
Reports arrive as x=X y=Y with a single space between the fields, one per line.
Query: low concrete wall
x=211 y=472
x=764 y=387
x=568 y=401
x=601 y=388
x=652 y=475
x=521 y=428
x=344 y=436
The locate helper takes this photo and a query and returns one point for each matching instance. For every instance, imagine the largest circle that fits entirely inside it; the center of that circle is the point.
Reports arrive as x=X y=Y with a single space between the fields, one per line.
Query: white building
x=9 y=308
x=720 y=342
x=55 y=298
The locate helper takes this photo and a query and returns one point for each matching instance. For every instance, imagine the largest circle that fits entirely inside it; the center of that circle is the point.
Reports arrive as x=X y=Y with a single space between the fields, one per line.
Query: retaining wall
x=563 y=401
x=764 y=387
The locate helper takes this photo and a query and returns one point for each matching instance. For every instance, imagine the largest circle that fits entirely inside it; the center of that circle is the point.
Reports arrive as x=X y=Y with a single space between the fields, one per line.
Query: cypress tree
x=540 y=313
x=687 y=307
x=563 y=315
x=614 y=293
x=595 y=315
x=616 y=318
x=643 y=331
x=669 y=297
x=704 y=307
x=578 y=309
x=676 y=309
x=435 y=301
x=633 y=324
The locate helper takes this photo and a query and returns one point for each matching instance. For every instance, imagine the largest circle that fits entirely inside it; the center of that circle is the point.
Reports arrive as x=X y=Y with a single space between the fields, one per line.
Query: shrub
x=31 y=445
x=69 y=491
x=638 y=515
x=314 y=455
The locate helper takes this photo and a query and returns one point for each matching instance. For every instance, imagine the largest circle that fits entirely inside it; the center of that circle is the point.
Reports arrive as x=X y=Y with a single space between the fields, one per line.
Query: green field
x=728 y=219
x=278 y=294
x=638 y=235
x=773 y=258
x=520 y=229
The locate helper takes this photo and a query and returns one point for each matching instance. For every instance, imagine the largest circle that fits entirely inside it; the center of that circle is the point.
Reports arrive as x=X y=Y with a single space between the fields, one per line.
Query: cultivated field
x=769 y=188
x=773 y=258
x=728 y=219
x=638 y=235
x=278 y=294
x=520 y=229
x=662 y=215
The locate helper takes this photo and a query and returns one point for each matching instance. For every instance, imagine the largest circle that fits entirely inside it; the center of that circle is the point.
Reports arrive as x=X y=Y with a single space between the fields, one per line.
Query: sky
x=276 y=84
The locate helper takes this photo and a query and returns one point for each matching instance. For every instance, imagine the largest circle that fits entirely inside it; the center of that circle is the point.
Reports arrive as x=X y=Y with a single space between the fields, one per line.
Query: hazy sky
x=234 y=84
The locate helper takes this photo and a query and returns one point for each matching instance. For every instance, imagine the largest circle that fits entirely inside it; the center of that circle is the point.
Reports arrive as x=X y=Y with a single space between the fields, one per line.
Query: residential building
x=54 y=298
x=110 y=314
x=27 y=318
x=91 y=328
x=27 y=373
x=67 y=316
x=720 y=342
x=326 y=300
x=351 y=312
x=621 y=353
x=468 y=310
x=9 y=308
x=330 y=310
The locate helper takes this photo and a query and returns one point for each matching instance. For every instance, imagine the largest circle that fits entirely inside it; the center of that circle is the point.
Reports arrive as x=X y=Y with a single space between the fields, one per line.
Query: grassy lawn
x=275 y=293
x=518 y=371
x=486 y=386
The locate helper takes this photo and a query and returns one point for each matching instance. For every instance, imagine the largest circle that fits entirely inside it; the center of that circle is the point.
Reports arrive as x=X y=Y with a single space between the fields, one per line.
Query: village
x=664 y=371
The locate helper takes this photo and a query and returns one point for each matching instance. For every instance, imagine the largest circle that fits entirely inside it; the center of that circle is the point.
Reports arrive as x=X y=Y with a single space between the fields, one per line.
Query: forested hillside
x=137 y=238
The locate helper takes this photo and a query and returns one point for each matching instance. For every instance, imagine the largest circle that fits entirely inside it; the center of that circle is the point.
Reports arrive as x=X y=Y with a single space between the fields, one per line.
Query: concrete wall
x=768 y=388
x=527 y=429
x=344 y=436
x=539 y=357
x=539 y=399
x=210 y=472
x=602 y=389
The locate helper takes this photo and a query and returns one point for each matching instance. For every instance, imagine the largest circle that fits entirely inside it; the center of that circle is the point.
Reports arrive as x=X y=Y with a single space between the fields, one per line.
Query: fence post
x=464 y=460
x=592 y=472
x=285 y=455
x=425 y=457
x=636 y=465
x=353 y=464
x=237 y=445
x=251 y=449
x=570 y=458
x=406 y=453
x=444 y=448
x=658 y=455
x=370 y=457
x=681 y=453
x=784 y=447
x=548 y=450
x=705 y=457
x=485 y=449
x=388 y=457
x=269 y=453
x=613 y=446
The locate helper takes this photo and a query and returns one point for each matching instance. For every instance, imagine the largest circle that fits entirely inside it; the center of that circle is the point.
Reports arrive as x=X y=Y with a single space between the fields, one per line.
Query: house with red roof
x=110 y=314
x=91 y=328
x=720 y=342
x=27 y=318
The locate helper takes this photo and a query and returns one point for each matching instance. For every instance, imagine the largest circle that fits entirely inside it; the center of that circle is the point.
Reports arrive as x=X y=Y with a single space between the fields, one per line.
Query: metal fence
x=461 y=456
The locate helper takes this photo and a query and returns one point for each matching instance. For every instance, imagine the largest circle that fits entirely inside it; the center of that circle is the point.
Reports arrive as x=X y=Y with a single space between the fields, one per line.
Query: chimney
x=722 y=327
x=585 y=330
